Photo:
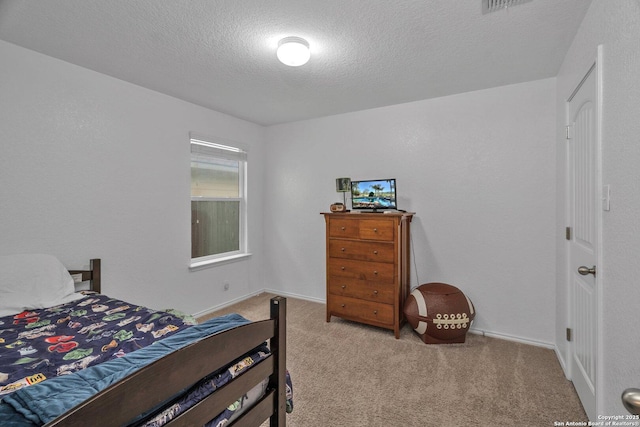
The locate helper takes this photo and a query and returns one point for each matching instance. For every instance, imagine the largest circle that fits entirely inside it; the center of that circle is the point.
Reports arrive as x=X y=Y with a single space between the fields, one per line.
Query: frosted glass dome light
x=293 y=51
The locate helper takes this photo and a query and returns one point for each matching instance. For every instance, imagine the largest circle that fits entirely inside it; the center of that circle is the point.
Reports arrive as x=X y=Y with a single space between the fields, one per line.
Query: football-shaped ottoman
x=439 y=313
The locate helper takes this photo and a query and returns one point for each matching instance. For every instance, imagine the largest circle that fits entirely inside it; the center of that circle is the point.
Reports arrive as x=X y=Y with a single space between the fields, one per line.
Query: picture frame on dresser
x=343 y=185
x=368 y=267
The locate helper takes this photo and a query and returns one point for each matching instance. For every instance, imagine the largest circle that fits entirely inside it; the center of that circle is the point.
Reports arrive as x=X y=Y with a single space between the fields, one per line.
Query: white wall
x=477 y=168
x=91 y=166
x=617 y=28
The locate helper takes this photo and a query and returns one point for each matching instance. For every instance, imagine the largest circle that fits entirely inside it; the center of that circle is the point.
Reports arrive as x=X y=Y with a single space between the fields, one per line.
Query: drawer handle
x=375 y=252
x=375 y=272
x=375 y=312
x=375 y=292
x=342 y=249
x=342 y=268
x=342 y=305
x=344 y=286
x=342 y=228
x=375 y=230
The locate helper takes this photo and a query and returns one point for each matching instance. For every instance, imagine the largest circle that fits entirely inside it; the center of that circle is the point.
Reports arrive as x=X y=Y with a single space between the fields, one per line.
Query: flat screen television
x=374 y=195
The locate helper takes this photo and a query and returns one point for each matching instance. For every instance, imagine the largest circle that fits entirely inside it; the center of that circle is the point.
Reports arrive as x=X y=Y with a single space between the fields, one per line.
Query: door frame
x=596 y=67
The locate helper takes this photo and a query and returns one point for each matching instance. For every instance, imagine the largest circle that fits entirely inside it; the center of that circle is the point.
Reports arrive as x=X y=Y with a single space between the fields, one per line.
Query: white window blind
x=218 y=201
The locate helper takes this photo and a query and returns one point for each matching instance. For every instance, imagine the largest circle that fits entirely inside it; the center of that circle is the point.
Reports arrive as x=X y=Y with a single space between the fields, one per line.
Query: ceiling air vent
x=489 y=6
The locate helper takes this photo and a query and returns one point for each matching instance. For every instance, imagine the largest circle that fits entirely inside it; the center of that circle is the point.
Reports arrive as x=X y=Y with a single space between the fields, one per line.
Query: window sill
x=211 y=262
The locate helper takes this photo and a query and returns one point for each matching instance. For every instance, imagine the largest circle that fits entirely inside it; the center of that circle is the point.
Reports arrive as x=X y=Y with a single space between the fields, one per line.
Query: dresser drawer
x=366 y=229
x=343 y=228
x=371 y=291
x=377 y=229
x=360 y=309
x=365 y=251
x=364 y=270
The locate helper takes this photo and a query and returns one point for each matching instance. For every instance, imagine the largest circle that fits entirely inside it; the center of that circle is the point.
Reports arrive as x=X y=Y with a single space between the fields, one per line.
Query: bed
x=154 y=368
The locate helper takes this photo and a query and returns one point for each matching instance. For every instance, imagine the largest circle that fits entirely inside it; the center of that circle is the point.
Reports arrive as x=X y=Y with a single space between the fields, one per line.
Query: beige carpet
x=347 y=374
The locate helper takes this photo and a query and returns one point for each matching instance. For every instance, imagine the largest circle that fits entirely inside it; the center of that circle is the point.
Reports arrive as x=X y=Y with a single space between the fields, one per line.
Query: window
x=218 y=202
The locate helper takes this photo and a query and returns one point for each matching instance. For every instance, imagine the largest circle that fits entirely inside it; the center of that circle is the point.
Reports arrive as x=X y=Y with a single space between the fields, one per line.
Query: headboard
x=92 y=275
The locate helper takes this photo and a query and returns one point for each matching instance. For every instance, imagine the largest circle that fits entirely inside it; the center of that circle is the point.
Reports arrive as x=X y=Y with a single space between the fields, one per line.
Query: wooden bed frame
x=164 y=378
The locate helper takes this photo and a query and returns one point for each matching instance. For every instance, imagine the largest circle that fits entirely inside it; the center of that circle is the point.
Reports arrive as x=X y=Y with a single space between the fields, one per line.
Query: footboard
x=163 y=379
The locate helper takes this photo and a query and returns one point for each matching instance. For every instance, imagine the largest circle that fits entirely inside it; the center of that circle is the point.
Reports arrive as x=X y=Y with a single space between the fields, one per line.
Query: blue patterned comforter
x=31 y=401
x=45 y=343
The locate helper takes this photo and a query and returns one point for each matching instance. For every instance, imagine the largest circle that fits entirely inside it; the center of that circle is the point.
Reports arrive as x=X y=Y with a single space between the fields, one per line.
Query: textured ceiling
x=365 y=53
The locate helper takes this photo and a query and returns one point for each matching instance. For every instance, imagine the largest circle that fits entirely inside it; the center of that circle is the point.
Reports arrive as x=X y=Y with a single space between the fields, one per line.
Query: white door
x=584 y=210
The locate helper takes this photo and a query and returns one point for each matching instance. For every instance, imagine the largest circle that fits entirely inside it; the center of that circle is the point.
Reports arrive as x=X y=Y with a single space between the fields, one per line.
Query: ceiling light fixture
x=293 y=51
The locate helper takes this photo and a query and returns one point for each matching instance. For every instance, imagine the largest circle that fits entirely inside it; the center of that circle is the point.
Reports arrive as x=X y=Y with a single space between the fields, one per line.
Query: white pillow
x=30 y=281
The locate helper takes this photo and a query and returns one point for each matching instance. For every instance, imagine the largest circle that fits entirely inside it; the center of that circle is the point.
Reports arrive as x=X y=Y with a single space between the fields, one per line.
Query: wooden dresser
x=368 y=267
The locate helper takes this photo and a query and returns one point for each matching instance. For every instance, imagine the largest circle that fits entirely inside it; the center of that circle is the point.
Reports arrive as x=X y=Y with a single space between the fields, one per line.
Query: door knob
x=631 y=400
x=586 y=270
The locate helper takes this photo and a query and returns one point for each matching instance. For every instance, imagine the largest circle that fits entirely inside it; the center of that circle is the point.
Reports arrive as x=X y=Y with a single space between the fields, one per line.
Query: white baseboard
x=513 y=338
x=296 y=296
x=226 y=304
x=323 y=301
x=253 y=294
x=563 y=362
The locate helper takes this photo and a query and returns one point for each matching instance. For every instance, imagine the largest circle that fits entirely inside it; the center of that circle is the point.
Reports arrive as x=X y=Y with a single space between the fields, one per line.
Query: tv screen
x=374 y=194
